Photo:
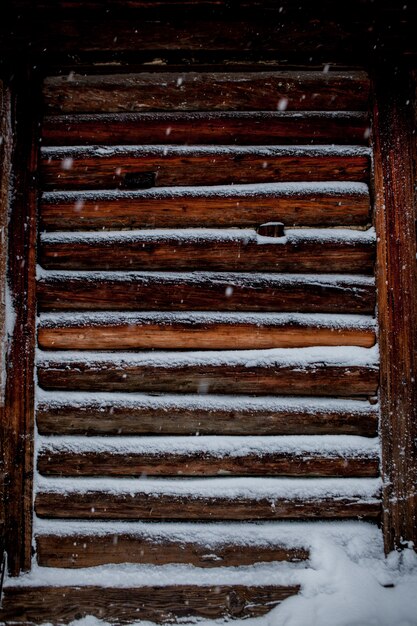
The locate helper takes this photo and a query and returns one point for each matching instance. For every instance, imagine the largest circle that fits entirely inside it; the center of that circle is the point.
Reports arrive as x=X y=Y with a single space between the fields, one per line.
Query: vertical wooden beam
x=17 y=427
x=397 y=300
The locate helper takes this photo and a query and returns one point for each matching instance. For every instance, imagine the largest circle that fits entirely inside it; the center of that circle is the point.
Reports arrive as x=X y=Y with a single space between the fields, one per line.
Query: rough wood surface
x=198 y=335
x=94 y=168
x=318 y=379
x=73 y=551
x=191 y=91
x=107 y=419
x=144 y=209
x=126 y=605
x=167 y=253
x=98 y=505
x=395 y=181
x=206 y=293
x=208 y=128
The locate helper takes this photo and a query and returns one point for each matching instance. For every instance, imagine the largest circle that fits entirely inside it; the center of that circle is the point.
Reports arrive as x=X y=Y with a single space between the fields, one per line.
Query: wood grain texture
x=205 y=128
x=98 y=505
x=205 y=293
x=104 y=418
x=395 y=181
x=318 y=379
x=164 y=253
x=209 y=335
x=74 y=551
x=193 y=91
x=95 y=168
x=126 y=605
x=192 y=208
x=17 y=425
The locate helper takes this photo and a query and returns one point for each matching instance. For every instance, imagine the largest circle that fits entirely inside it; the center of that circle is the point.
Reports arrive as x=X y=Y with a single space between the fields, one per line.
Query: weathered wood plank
x=127 y=605
x=395 y=181
x=55 y=462
x=97 y=168
x=186 y=375
x=202 y=332
x=248 y=206
x=259 y=128
x=82 y=550
x=193 y=91
x=205 y=292
x=98 y=505
x=300 y=251
x=188 y=416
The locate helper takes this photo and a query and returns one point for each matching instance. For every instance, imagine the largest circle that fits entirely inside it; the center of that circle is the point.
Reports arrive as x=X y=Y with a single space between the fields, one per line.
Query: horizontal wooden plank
x=261 y=128
x=98 y=505
x=86 y=550
x=205 y=292
x=299 y=251
x=187 y=415
x=310 y=204
x=193 y=91
x=100 y=168
x=53 y=461
x=258 y=373
x=126 y=605
x=200 y=331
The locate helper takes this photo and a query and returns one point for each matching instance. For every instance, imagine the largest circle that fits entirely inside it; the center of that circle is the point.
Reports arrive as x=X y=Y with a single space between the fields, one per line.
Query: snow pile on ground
x=348 y=583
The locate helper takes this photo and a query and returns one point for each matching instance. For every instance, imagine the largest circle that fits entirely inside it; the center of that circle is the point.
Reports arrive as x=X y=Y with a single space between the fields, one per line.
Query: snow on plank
x=204 y=291
x=309 y=250
x=200 y=331
x=320 y=371
x=294 y=204
x=208 y=498
x=193 y=91
x=209 y=128
x=81 y=413
x=209 y=456
x=90 y=167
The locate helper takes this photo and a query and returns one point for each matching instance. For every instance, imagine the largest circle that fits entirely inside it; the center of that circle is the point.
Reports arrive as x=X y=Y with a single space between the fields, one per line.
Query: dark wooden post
x=393 y=140
x=17 y=425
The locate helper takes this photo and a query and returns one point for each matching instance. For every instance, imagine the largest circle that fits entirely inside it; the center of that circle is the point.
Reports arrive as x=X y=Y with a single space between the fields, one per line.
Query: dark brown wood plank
x=244 y=206
x=205 y=292
x=18 y=420
x=126 y=605
x=395 y=180
x=98 y=505
x=197 y=333
x=193 y=91
x=317 y=378
x=101 y=168
x=82 y=550
x=107 y=417
x=56 y=462
x=259 y=128
x=216 y=250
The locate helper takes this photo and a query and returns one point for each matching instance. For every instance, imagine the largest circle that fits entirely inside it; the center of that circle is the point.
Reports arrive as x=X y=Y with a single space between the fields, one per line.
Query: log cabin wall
x=115 y=284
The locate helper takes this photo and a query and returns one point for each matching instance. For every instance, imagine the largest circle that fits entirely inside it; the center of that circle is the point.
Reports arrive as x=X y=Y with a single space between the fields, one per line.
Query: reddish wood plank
x=98 y=168
x=205 y=292
x=126 y=605
x=193 y=91
x=229 y=251
x=395 y=181
x=98 y=505
x=70 y=463
x=196 y=334
x=312 y=379
x=259 y=128
x=212 y=207
x=108 y=418
x=74 y=551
